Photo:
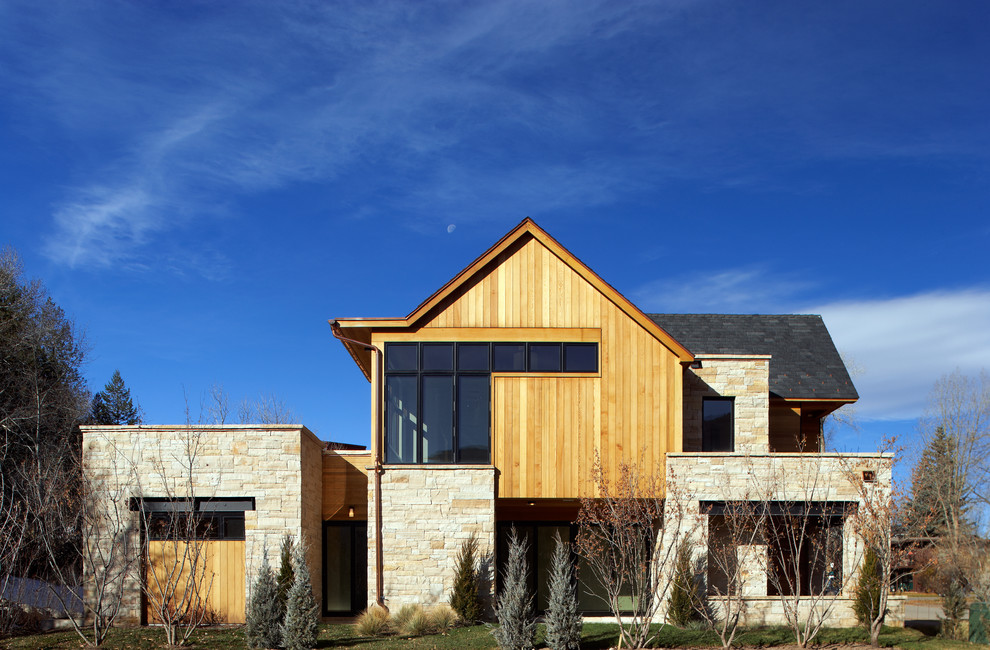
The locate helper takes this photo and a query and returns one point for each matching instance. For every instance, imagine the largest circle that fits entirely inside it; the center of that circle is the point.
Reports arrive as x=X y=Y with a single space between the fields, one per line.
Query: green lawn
x=596 y=635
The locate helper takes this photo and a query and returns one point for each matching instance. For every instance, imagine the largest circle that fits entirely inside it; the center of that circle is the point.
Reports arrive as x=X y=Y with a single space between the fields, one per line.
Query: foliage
x=373 y=621
x=113 y=404
x=681 y=603
x=514 y=606
x=953 y=609
x=286 y=576
x=401 y=617
x=465 y=599
x=263 y=616
x=418 y=623
x=443 y=618
x=867 y=596
x=563 y=621
x=302 y=620
x=936 y=496
x=42 y=398
x=628 y=536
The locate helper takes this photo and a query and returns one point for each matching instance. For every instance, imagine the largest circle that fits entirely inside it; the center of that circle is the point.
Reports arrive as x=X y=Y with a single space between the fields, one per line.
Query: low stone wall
x=427 y=514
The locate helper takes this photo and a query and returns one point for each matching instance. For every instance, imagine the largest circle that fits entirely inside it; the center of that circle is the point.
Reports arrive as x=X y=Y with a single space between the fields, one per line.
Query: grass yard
x=596 y=635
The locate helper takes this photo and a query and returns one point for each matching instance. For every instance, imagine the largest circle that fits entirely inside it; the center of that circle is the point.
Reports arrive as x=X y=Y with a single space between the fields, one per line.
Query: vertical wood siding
x=546 y=430
x=221 y=573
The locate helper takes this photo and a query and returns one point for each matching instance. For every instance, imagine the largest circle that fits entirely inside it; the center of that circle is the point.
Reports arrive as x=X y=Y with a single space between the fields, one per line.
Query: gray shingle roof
x=804 y=363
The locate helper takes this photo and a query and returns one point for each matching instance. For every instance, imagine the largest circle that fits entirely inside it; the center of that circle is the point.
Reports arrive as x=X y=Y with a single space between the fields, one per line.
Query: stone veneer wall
x=266 y=462
x=747 y=379
x=427 y=513
x=696 y=477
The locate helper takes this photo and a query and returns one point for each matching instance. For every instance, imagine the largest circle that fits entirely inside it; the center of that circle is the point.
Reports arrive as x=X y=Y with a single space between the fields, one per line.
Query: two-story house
x=489 y=403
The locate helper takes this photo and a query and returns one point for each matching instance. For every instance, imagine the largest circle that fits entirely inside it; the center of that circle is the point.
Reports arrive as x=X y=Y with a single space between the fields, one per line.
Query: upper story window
x=716 y=424
x=437 y=395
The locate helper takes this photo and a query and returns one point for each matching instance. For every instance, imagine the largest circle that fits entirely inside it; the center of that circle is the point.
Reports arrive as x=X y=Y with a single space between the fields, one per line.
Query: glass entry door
x=345 y=567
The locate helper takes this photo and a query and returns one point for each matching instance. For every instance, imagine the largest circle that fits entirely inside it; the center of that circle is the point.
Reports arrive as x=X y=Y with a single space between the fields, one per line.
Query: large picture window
x=438 y=395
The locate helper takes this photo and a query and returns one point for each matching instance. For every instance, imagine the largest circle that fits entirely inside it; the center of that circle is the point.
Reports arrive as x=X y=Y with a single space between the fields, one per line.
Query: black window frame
x=456 y=372
x=213 y=513
x=706 y=440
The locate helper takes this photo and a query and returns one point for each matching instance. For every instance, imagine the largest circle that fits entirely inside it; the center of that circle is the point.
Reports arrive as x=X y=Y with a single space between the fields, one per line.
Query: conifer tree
x=286 y=576
x=866 y=599
x=302 y=622
x=263 y=618
x=936 y=494
x=680 y=603
x=514 y=610
x=464 y=599
x=113 y=404
x=562 y=619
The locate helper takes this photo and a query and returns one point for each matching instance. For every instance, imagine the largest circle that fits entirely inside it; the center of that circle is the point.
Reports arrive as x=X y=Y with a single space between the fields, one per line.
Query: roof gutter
x=378 y=468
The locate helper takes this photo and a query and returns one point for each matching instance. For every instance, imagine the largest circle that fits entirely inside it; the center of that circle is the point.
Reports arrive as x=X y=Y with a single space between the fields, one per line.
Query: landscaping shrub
x=443 y=618
x=514 y=607
x=373 y=621
x=953 y=609
x=866 y=603
x=563 y=622
x=401 y=617
x=681 y=602
x=285 y=574
x=419 y=623
x=464 y=600
x=263 y=616
x=302 y=621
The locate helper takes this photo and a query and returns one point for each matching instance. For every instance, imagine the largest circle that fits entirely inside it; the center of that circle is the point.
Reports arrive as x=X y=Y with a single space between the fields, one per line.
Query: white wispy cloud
x=470 y=111
x=899 y=344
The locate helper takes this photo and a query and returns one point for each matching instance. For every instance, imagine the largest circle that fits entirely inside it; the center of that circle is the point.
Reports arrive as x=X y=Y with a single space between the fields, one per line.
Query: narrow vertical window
x=401 y=419
x=473 y=396
x=438 y=419
x=716 y=424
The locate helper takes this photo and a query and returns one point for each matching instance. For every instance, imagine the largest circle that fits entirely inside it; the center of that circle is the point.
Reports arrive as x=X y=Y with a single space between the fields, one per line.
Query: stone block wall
x=747 y=379
x=260 y=461
x=427 y=514
x=696 y=477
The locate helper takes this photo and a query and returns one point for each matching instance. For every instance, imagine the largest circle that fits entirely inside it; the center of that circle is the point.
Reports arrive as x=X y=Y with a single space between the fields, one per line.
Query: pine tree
x=866 y=599
x=680 y=603
x=562 y=619
x=302 y=622
x=464 y=599
x=286 y=576
x=516 y=623
x=262 y=621
x=113 y=404
x=936 y=495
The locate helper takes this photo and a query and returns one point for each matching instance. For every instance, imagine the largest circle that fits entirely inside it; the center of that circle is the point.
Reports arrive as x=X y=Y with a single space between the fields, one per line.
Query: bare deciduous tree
x=628 y=537
x=176 y=584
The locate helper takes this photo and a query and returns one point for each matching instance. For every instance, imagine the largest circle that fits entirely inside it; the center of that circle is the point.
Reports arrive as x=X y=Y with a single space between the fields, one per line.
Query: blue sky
x=201 y=185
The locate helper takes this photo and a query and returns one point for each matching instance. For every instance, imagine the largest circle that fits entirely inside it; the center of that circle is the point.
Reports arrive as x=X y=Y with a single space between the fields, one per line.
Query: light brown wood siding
x=220 y=565
x=546 y=429
x=345 y=485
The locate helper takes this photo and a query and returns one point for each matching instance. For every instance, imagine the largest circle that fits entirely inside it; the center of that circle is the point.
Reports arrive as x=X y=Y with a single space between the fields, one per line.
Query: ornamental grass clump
x=373 y=622
x=419 y=623
x=302 y=622
x=562 y=620
x=263 y=620
x=443 y=617
x=514 y=606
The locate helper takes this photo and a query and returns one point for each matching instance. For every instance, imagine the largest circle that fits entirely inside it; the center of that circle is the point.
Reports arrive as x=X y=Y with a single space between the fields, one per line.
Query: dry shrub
x=419 y=623
x=443 y=618
x=401 y=617
x=373 y=621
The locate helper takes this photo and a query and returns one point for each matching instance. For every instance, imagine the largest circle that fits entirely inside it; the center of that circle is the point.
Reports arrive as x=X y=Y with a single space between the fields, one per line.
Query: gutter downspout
x=379 y=469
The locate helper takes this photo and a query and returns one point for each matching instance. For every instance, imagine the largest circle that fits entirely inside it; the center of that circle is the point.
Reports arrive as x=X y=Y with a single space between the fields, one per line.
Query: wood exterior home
x=490 y=402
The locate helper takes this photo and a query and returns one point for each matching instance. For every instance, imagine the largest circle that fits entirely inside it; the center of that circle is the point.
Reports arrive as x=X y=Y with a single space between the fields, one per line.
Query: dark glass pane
x=580 y=357
x=508 y=357
x=233 y=527
x=401 y=419
x=438 y=419
x=338 y=556
x=544 y=357
x=472 y=356
x=716 y=425
x=401 y=356
x=472 y=419
x=438 y=356
x=207 y=528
